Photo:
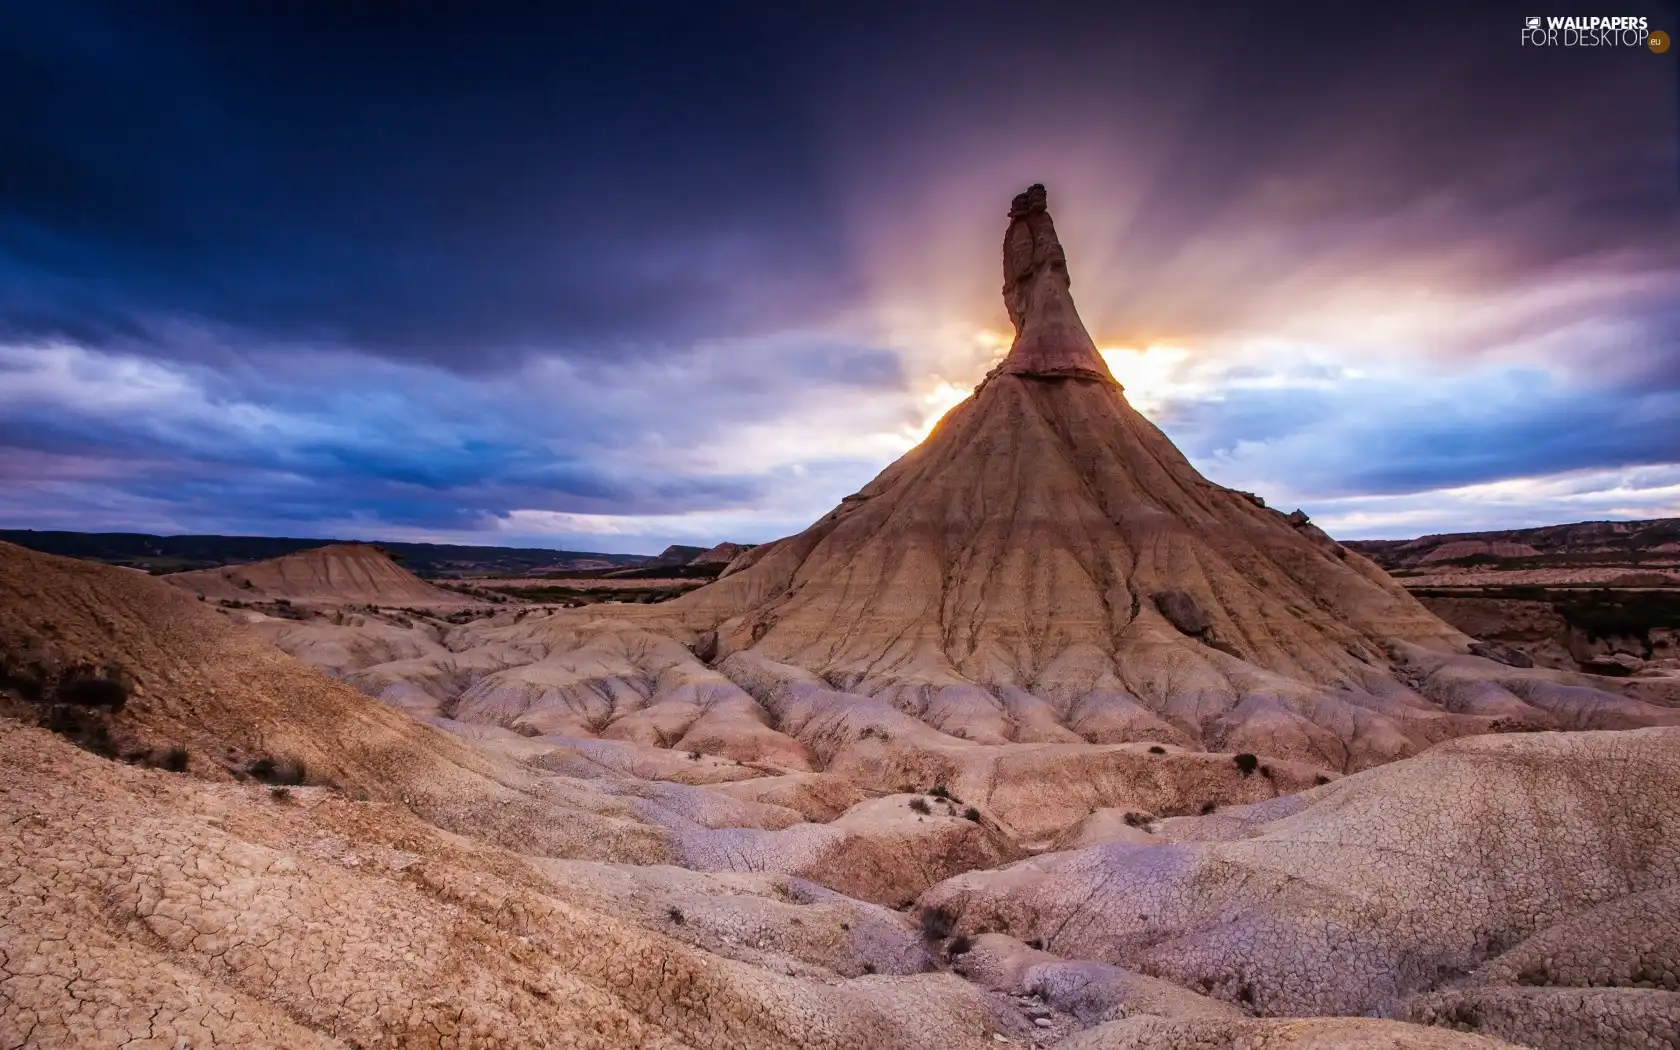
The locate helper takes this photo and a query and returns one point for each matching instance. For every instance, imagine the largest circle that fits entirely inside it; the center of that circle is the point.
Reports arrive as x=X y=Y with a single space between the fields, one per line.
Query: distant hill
x=164 y=554
x=1595 y=596
x=344 y=573
x=1623 y=544
x=678 y=554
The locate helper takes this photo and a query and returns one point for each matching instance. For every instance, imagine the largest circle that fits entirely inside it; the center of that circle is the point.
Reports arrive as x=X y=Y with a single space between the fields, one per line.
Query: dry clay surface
x=147 y=908
x=143 y=908
x=1527 y=884
x=201 y=905
x=204 y=684
x=1033 y=769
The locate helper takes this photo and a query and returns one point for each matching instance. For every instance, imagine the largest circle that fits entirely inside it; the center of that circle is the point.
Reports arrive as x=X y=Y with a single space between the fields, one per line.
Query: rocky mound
x=1047 y=566
x=133 y=669
x=1047 y=537
x=342 y=574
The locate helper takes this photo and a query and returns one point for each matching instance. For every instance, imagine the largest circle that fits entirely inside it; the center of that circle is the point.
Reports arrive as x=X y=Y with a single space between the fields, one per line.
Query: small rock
x=1182 y=611
x=1499 y=652
x=1619 y=665
x=1042 y=1022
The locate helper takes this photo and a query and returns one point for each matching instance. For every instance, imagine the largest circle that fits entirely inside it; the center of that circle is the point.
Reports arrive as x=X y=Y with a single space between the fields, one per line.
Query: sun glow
x=944 y=396
x=976 y=353
x=1152 y=376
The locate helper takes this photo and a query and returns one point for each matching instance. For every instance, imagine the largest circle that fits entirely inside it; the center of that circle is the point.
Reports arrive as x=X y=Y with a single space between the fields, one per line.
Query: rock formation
x=1050 y=339
x=1046 y=565
x=342 y=574
x=226 y=849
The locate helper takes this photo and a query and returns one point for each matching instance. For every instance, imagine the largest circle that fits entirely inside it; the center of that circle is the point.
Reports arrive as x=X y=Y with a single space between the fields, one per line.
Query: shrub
x=1157 y=749
x=1137 y=820
x=937 y=923
x=1266 y=771
x=941 y=791
x=1209 y=807
x=676 y=915
x=28 y=682
x=1320 y=780
x=93 y=691
x=1036 y=944
x=868 y=967
x=175 y=760
x=972 y=814
x=959 y=945
x=86 y=729
x=281 y=795
x=278 y=771
x=1246 y=763
x=920 y=805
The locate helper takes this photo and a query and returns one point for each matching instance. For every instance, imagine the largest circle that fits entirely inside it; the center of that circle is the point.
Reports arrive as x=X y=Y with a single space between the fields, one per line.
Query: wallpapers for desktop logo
x=1593 y=31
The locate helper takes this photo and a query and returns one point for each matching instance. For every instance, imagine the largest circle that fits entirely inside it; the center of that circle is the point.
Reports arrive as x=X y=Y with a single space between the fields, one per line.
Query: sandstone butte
x=1040 y=739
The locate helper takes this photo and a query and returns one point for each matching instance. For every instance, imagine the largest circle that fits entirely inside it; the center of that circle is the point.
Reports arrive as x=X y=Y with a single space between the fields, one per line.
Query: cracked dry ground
x=514 y=891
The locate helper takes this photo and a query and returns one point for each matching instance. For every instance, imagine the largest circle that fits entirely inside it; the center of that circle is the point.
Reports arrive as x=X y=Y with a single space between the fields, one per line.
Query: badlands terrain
x=1039 y=739
x=1599 y=596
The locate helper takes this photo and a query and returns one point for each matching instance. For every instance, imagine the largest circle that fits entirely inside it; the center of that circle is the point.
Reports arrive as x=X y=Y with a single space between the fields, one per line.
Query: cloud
x=1384 y=435
x=1371 y=451
x=1589 y=495
x=108 y=440
x=470 y=192
x=620 y=280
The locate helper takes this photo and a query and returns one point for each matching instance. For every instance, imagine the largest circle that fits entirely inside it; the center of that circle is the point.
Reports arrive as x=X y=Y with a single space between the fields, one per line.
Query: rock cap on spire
x=1050 y=339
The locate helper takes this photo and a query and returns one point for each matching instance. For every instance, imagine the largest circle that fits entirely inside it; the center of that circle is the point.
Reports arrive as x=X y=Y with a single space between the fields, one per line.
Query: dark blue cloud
x=1408 y=432
x=114 y=437
x=464 y=187
x=283 y=268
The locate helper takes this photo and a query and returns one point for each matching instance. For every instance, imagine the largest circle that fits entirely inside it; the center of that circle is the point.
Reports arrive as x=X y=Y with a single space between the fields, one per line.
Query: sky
x=577 y=278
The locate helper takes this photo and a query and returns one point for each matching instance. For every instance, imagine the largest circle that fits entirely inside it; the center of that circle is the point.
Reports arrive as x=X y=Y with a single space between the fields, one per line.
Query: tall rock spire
x=1050 y=340
x=1046 y=566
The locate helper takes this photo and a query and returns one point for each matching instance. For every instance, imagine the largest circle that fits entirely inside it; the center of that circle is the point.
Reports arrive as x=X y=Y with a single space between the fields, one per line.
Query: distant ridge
x=343 y=573
x=183 y=553
x=1577 y=543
